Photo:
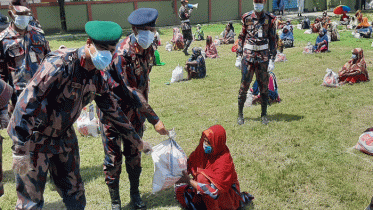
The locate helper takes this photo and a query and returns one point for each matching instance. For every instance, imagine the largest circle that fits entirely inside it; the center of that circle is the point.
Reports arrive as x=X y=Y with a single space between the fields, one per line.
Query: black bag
x=306 y=23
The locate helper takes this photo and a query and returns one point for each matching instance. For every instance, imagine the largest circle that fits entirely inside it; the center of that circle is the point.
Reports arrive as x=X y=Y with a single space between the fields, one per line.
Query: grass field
x=303 y=159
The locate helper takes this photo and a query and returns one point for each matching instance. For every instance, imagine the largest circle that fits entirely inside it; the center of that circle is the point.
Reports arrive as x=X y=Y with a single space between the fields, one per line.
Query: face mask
x=101 y=59
x=145 y=38
x=208 y=149
x=258 y=7
x=354 y=56
x=21 y=21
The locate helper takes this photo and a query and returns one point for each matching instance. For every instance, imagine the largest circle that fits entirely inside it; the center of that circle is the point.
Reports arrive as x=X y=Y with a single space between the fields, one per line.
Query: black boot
x=134 y=177
x=264 y=109
x=186 y=47
x=240 y=119
x=115 y=197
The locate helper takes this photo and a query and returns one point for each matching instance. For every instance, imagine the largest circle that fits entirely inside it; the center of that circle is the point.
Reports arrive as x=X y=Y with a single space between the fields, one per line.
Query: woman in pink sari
x=177 y=40
x=210 y=50
x=355 y=70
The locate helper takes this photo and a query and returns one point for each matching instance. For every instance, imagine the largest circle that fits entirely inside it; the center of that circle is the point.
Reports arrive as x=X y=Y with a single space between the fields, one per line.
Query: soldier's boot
x=115 y=197
x=240 y=119
x=186 y=47
x=134 y=177
x=264 y=110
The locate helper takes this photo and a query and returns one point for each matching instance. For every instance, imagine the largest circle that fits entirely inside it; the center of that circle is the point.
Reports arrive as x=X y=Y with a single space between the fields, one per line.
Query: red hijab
x=217 y=167
x=210 y=49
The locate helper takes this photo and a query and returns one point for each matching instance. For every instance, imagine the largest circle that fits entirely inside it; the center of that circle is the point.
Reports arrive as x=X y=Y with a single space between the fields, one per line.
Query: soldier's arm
x=272 y=38
x=242 y=35
x=4 y=73
x=30 y=113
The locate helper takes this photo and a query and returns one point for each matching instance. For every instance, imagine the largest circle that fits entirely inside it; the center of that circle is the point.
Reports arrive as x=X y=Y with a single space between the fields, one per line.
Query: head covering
x=323 y=38
x=218 y=167
x=210 y=49
x=143 y=17
x=259 y=1
x=355 y=70
x=103 y=32
x=288 y=34
x=359 y=53
x=196 y=51
x=21 y=9
x=184 y=1
x=357 y=13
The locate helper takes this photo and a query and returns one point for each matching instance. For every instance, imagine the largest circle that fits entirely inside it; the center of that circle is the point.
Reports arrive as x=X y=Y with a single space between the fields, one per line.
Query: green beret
x=103 y=32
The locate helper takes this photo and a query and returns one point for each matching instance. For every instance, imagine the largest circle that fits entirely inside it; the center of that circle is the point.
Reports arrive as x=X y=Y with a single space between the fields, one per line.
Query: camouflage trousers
x=64 y=169
x=114 y=156
x=1 y=167
x=260 y=70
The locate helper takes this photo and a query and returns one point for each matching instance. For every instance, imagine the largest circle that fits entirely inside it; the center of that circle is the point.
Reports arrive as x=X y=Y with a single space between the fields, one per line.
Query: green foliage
x=302 y=160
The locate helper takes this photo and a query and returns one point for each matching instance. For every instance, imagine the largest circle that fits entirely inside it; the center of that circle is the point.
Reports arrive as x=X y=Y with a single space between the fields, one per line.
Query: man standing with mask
x=184 y=15
x=34 y=22
x=22 y=47
x=42 y=129
x=257 y=46
x=132 y=64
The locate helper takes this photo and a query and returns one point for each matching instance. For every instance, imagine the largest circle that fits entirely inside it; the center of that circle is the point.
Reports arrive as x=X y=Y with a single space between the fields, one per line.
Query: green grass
x=302 y=160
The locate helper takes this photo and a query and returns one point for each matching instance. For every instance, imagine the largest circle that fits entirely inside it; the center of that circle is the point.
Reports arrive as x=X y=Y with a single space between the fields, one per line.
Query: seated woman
x=345 y=19
x=325 y=20
x=195 y=66
x=210 y=50
x=273 y=96
x=287 y=37
x=364 y=28
x=355 y=70
x=214 y=176
x=228 y=34
x=177 y=40
x=322 y=42
x=316 y=26
x=198 y=35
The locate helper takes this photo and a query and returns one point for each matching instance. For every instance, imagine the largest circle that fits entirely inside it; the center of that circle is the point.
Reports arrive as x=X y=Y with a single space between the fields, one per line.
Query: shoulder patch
x=246 y=15
x=37 y=29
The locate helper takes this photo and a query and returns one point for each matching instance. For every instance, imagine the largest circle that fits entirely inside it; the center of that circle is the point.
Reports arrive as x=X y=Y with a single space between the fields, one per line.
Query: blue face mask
x=258 y=7
x=354 y=56
x=208 y=149
x=145 y=38
x=101 y=59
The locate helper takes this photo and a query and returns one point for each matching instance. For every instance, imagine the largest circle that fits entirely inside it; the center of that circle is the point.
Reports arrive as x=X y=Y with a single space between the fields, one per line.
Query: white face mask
x=145 y=38
x=21 y=21
x=258 y=7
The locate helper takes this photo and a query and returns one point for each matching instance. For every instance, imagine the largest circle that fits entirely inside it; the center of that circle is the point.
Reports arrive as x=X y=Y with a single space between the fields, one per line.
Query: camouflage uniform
x=20 y=56
x=184 y=15
x=130 y=72
x=5 y=94
x=42 y=126
x=257 y=42
x=198 y=71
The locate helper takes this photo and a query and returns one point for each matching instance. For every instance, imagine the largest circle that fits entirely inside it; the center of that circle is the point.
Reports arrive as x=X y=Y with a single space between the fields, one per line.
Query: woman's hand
x=184 y=179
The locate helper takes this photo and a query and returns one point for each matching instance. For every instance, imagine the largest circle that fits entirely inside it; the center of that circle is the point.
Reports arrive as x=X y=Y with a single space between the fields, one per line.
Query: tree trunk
x=62 y=15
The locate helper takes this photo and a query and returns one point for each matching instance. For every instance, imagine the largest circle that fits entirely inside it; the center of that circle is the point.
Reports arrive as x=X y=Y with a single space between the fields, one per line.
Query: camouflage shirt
x=130 y=72
x=20 y=55
x=258 y=31
x=46 y=110
x=184 y=14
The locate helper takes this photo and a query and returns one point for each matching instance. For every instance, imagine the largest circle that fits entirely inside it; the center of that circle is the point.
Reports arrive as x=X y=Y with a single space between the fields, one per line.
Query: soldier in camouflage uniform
x=42 y=123
x=6 y=92
x=22 y=47
x=257 y=44
x=132 y=64
x=184 y=15
x=34 y=22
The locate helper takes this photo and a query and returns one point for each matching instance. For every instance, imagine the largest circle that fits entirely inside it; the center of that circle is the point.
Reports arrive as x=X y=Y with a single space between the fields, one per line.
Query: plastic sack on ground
x=331 y=79
x=87 y=123
x=280 y=57
x=217 y=41
x=168 y=47
x=309 y=31
x=365 y=143
x=177 y=74
x=299 y=26
x=238 y=62
x=308 y=49
x=170 y=161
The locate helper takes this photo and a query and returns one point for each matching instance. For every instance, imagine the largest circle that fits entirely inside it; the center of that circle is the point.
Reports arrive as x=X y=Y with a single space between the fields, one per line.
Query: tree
x=62 y=15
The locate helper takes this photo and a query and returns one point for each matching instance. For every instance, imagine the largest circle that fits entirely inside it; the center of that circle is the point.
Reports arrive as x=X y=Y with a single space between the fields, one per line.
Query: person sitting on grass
x=363 y=28
x=199 y=35
x=228 y=34
x=287 y=37
x=195 y=66
x=322 y=42
x=345 y=19
x=214 y=184
x=355 y=70
x=210 y=49
x=177 y=40
x=272 y=91
x=316 y=26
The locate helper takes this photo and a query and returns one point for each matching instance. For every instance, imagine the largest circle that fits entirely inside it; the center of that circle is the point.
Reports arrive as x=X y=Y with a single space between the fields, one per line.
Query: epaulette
x=37 y=29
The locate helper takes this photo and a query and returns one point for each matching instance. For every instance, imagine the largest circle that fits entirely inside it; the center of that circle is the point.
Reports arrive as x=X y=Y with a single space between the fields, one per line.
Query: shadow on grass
x=279 y=117
x=163 y=199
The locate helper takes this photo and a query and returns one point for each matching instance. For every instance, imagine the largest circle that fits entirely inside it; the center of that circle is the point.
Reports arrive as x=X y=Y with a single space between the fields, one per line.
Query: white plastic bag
x=308 y=49
x=357 y=35
x=372 y=44
x=170 y=161
x=299 y=26
x=365 y=143
x=177 y=74
x=238 y=62
x=203 y=53
x=280 y=57
x=87 y=123
x=309 y=31
x=168 y=47
x=331 y=79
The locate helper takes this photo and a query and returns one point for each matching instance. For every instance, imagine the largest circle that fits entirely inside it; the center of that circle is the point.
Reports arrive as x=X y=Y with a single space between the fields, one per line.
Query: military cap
x=21 y=9
x=184 y=1
x=103 y=32
x=143 y=17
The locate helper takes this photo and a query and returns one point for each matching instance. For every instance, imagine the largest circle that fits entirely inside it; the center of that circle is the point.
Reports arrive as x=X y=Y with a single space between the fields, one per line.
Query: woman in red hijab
x=177 y=40
x=355 y=70
x=214 y=185
x=210 y=50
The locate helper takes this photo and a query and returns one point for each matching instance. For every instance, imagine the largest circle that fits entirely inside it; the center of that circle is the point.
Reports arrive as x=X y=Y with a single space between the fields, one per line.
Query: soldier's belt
x=256 y=47
x=185 y=21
